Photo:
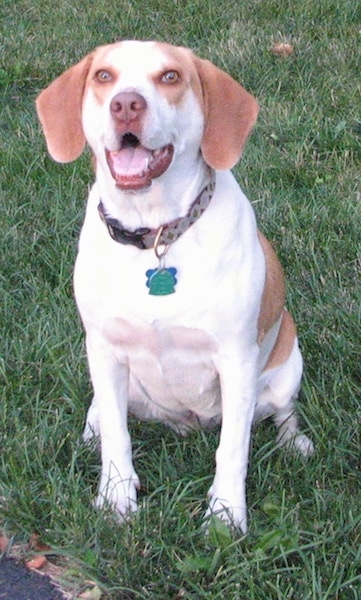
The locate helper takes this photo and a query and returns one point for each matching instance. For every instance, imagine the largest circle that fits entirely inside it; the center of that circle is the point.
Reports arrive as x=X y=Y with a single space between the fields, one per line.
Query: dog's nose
x=127 y=106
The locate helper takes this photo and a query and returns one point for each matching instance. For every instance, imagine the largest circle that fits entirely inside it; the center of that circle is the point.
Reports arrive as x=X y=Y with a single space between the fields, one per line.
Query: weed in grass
x=301 y=170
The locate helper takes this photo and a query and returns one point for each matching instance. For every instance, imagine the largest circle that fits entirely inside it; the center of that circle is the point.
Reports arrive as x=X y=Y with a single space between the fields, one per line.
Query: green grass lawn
x=301 y=170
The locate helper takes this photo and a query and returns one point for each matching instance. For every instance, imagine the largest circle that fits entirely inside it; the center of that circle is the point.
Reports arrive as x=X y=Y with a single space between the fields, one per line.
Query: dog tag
x=161 y=281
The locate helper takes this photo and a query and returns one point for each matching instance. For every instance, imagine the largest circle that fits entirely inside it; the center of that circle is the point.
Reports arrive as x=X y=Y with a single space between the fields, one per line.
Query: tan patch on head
x=102 y=63
x=181 y=61
x=153 y=61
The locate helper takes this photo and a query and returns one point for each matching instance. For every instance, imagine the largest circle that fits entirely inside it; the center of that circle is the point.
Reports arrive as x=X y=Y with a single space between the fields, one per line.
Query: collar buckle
x=134 y=238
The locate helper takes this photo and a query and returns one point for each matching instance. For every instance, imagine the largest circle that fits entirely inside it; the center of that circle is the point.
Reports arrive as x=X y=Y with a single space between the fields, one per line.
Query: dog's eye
x=103 y=76
x=170 y=77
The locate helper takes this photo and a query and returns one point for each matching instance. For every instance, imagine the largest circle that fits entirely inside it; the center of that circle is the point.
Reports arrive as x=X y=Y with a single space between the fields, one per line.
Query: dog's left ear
x=230 y=114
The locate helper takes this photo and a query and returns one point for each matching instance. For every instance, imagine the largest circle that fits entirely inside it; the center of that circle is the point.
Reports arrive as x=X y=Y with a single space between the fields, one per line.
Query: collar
x=145 y=238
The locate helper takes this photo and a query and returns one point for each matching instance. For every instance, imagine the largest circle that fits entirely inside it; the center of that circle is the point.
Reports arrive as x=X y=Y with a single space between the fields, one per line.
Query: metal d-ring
x=160 y=255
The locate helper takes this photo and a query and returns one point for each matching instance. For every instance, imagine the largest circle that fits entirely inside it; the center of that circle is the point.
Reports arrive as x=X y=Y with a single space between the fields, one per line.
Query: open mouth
x=134 y=166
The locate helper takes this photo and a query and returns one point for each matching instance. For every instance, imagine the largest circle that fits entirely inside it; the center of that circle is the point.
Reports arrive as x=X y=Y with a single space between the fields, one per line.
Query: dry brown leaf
x=38 y=562
x=282 y=49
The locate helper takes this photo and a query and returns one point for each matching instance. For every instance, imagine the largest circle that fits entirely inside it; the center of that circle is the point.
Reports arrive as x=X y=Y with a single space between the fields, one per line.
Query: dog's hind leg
x=277 y=398
x=92 y=426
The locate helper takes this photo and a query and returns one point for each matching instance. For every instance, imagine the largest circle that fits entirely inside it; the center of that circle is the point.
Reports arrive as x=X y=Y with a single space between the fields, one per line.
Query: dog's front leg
x=110 y=378
x=238 y=376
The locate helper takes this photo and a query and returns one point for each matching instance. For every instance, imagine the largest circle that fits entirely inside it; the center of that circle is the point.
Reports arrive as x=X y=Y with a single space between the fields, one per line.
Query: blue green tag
x=161 y=281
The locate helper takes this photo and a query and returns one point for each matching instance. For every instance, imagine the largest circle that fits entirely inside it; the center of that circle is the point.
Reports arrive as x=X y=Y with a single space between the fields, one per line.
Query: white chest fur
x=171 y=370
x=169 y=344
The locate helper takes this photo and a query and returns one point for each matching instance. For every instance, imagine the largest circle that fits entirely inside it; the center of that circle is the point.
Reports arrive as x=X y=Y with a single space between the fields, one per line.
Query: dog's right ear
x=59 y=109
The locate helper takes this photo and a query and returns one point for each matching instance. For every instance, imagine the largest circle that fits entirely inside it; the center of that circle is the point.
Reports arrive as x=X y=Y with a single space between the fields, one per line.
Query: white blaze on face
x=141 y=149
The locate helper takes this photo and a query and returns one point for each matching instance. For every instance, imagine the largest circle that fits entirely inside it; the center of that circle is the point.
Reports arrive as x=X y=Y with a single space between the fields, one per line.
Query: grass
x=301 y=171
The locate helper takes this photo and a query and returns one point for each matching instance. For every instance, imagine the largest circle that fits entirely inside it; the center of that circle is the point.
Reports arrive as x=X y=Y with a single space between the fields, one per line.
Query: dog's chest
x=172 y=374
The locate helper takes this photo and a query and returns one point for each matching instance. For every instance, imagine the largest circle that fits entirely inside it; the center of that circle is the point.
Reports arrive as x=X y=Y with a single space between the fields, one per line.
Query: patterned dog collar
x=145 y=238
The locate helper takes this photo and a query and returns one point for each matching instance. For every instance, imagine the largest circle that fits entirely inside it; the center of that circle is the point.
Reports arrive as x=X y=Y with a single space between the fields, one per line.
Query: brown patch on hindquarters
x=273 y=297
x=284 y=342
x=272 y=308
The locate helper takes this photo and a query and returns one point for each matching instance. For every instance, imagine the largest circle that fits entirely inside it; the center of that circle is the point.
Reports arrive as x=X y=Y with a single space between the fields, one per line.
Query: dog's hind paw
x=92 y=427
x=298 y=443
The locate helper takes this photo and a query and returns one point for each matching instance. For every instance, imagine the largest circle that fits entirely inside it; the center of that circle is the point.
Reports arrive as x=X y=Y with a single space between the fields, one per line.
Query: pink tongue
x=131 y=161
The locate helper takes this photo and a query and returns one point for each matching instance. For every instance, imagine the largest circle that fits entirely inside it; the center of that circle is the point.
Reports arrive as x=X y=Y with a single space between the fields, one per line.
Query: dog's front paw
x=231 y=512
x=119 y=494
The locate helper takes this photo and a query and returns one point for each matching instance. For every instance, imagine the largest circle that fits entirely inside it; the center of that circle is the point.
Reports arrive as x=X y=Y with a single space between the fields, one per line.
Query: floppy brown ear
x=230 y=114
x=59 y=109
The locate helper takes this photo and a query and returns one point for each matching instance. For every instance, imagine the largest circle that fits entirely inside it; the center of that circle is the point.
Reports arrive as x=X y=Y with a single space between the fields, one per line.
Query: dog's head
x=139 y=105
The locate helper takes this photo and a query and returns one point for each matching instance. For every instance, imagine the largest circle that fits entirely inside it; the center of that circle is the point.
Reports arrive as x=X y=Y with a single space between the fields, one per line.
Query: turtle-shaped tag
x=161 y=281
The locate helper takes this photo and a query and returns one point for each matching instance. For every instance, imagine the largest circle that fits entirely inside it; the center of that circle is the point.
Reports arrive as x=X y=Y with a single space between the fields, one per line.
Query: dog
x=181 y=298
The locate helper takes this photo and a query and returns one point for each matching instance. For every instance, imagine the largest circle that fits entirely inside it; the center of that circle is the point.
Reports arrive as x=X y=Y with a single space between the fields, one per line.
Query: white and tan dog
x=181 y=298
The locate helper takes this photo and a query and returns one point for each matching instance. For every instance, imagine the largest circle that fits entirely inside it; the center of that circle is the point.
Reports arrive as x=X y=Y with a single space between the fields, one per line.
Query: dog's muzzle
x=133 y=166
